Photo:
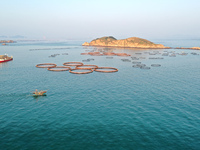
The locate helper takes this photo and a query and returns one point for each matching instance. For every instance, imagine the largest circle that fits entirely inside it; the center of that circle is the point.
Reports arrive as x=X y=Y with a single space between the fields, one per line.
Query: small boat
x=5 y=58
x=39 y=93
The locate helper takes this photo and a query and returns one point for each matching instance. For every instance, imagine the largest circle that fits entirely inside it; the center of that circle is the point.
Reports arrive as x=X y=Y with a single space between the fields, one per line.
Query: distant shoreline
x=188 y=48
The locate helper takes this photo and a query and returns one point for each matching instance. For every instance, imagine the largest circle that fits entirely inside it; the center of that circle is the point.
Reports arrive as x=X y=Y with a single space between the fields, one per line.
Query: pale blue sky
x=88 y=19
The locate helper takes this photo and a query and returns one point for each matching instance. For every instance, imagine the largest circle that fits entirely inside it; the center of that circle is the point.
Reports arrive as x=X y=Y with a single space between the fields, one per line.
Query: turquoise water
x=130 y=109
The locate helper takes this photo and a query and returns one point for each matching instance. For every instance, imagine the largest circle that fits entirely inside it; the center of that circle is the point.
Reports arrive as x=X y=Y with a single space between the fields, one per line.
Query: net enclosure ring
x=155 y=65
x=46 y=65
x=72 y=64
x=87 y=67
x=63 y=68
x=81 y=71
x=106 y=69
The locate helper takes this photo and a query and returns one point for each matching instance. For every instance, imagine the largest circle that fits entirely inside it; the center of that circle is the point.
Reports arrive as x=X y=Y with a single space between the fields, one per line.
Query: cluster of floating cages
x=105 y=54
x=54 y=55
x=78 y=68
x=173 y=54
x=136 y=56
x=143 y=66
x=165 y=53
x=194 y=53
x=138 y=64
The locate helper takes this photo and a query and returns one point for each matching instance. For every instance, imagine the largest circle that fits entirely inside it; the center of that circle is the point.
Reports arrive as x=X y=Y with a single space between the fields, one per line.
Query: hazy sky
x=88 y=19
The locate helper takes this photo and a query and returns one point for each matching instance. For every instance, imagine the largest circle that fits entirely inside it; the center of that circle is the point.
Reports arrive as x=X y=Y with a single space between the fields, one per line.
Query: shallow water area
x=130 y=109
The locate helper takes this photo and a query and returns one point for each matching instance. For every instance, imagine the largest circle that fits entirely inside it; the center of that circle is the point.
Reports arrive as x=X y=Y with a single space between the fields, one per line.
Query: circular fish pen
x=106 y=69
x=86 y=60
x=139 y=65
x=144 y=67
x=72 y=64
x=136 y=66
x=46 y=65
x=155 y=65
x=136 y=62
x=87 y=67
x=109 y=57
x=81 y=71
x=63 y=68
x=126 y=60
x=142 y=57
x=90 y=59
x=134 y=58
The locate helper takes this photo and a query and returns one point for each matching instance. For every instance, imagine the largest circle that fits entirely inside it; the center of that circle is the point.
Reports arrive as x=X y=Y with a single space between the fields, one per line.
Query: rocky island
x=133 y=42
x=7 y=41
x=4 y=42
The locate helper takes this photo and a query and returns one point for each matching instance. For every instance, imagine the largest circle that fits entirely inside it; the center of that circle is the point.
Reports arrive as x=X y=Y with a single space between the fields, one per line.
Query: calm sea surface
x=157 y=108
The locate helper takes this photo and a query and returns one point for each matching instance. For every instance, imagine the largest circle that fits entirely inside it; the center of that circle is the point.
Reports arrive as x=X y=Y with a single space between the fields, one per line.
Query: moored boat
x=39 y=93
x=5 y=58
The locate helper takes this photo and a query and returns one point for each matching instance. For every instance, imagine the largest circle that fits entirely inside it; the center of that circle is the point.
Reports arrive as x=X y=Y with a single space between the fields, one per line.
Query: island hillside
x=133 y=42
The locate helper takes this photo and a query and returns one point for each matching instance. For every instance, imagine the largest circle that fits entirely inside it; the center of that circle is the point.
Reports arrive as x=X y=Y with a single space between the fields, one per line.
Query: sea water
x=133 y=108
